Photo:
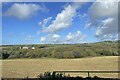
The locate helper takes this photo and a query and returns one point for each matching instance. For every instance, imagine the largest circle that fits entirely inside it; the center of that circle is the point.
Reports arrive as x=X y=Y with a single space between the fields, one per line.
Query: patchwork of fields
x=32 y=67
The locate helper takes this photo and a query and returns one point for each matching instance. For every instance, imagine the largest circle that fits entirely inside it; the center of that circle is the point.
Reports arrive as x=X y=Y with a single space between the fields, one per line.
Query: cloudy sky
x=59 y=22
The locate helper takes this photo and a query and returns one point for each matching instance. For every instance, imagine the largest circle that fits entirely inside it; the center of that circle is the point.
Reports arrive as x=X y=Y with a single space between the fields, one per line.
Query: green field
x=32 y=67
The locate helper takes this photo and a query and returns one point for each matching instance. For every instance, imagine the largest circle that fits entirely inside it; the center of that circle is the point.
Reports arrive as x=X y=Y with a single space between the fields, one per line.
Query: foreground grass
x=32 y=67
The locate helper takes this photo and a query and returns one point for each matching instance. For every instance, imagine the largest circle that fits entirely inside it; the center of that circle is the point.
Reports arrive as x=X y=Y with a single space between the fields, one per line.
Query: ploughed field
x=21 y=68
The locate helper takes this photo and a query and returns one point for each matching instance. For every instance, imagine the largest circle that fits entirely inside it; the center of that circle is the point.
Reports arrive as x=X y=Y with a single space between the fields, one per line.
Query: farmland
x=32 y=67
x=18 y=62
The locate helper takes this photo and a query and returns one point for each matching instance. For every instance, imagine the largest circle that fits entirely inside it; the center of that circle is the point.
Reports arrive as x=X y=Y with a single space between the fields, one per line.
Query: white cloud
x=42 y=39
x=82 y=16
x=23 y=11
x=55 y=36
x=44 y=22
x=80 y=36
x=76 y=37
x=108 y=29
x=69 y=37
x=87 y=25
x=103 y=9
x=103 y=17
x=51 y=39
x=63 y=19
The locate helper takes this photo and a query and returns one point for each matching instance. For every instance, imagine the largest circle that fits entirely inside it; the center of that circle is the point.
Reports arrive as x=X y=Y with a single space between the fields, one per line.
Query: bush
x=5 y=55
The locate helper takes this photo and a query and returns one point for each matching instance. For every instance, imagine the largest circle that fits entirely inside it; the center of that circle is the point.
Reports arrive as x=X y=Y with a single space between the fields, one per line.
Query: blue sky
x=58 y=22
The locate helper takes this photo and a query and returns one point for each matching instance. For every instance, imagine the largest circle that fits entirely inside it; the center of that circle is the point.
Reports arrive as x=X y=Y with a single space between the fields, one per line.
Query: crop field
x=20 y=68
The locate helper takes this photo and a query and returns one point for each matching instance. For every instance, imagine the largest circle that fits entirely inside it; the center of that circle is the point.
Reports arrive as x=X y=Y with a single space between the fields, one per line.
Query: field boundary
x=88 y=72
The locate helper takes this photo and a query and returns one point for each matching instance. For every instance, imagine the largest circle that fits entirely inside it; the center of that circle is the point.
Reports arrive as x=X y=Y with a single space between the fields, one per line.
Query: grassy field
x=32 y=67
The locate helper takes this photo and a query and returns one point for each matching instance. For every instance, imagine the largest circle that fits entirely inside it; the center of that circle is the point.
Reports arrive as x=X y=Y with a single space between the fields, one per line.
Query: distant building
x=32 y=47
x=25 y=47
x=20 y=47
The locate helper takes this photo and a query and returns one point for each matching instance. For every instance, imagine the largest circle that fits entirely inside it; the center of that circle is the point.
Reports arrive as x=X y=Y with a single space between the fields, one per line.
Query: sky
x=58 y=22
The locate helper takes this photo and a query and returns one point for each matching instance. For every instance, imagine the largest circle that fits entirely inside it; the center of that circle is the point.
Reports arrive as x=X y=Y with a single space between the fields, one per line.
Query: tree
x=5 y=55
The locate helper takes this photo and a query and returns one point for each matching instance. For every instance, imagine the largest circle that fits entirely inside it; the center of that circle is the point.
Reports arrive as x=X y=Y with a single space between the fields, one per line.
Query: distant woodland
x=105 y=48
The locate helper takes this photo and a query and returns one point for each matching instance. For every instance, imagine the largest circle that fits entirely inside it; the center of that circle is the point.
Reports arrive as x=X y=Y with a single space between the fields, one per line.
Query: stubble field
x=20 y=68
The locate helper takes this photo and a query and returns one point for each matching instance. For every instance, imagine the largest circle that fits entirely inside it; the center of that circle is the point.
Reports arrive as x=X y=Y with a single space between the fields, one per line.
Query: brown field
x=32 y=67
